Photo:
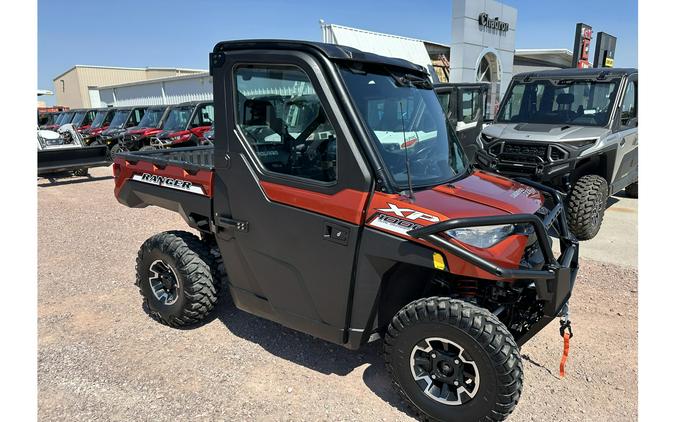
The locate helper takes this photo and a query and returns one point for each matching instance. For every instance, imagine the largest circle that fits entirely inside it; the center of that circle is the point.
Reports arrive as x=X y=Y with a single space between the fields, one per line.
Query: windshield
x=151 y=117
x=177 y=119
x=403 y=112
x=564 y=101
x=120 y=118
x=78 y=118
x=98 y=120
x=65 y=118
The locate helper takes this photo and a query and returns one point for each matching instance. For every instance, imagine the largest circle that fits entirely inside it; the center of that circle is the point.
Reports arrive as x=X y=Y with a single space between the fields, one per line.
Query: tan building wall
x=72 y=87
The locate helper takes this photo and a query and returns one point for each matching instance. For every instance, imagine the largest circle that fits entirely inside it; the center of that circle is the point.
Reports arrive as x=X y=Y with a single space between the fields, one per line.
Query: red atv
x=185 y=126
x=150 y=125
x=100 y=123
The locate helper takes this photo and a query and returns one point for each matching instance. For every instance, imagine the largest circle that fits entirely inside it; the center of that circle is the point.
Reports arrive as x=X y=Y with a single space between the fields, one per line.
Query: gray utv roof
x=577 y=73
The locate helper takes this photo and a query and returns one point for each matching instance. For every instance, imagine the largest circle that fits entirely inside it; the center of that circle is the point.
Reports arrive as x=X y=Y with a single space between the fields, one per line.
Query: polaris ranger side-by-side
x=184 y=125
x=137 y=137
x=101 y=122
x=124 y=118
x=347 y=230
x=572 y=129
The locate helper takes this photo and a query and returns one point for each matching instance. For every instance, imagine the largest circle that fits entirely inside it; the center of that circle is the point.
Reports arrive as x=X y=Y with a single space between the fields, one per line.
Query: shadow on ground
x=310 y=352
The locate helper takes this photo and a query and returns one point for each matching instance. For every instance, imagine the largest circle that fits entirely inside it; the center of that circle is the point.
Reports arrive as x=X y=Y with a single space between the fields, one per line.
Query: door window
x=471 y=105
x=284 y=122
x=629 y=106
x=203 y=116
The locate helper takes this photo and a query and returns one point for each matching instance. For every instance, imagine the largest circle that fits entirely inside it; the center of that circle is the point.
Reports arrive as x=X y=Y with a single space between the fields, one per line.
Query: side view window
x=204 y=116
x=471 y=105
x=629 y=106
x=283 y=121
x=136 y=117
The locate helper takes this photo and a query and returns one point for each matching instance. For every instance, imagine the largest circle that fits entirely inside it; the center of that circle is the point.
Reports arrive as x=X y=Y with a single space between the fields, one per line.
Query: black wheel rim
x=163 y=282
x=444 y=371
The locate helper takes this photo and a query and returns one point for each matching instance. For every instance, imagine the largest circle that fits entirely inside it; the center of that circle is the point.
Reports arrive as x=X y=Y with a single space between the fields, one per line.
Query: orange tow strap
x=566 y=351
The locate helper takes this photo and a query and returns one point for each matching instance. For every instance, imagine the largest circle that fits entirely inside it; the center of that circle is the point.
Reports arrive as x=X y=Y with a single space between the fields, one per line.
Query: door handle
x=336 y=233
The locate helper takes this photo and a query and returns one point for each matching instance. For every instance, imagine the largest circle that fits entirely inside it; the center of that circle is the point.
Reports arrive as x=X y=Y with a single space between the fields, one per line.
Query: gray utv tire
x=174 y=276
x=586 y=205
x=453 y=361
x=81 y=172
x=632 y=190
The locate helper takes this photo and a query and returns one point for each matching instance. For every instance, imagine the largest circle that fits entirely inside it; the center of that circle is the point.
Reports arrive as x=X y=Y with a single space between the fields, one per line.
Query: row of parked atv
x=138 y=127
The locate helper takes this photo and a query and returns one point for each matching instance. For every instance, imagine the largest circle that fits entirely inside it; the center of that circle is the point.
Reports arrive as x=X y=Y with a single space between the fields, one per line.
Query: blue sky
x=181 y=33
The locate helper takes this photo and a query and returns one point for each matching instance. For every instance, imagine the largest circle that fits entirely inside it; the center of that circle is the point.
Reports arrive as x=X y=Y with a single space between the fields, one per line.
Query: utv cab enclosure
x=464 y=104
x=359 y=222
x=574 y=130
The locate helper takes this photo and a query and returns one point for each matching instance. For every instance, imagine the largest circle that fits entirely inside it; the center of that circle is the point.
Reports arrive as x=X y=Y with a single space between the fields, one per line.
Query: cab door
x=290 y=190
x=202 y=120
x=626 y=125
x=470 y=112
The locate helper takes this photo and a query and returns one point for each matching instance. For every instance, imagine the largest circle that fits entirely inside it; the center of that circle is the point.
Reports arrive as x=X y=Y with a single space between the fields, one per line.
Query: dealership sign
x=485 y=21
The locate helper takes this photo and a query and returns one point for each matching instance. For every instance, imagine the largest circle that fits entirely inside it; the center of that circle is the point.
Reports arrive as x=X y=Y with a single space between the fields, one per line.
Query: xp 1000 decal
x=400 y=221
x=168 y=182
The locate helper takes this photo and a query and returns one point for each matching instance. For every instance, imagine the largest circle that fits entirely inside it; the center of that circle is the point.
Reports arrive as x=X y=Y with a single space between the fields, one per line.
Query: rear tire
x=632 y=190
x=586 y=206
x=474 y=361
x=81 y=172
x=173 y=274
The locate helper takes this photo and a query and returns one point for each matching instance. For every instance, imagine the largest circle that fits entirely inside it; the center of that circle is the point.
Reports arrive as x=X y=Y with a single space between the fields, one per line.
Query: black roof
x=332 y=51
x=592 y=72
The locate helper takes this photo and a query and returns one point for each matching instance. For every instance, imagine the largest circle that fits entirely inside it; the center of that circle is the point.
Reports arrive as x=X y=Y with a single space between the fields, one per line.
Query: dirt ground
x=102 y=358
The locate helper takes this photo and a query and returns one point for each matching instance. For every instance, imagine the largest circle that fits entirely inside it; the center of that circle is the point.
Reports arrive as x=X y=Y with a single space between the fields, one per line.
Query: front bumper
x=553 y=283
x=536 y=169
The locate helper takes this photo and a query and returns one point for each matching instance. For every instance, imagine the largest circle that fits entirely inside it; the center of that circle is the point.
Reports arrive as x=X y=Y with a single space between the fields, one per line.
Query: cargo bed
x=178 y=179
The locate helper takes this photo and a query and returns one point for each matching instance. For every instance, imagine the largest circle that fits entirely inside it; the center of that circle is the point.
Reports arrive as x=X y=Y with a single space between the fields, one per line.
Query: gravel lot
x=102 y=358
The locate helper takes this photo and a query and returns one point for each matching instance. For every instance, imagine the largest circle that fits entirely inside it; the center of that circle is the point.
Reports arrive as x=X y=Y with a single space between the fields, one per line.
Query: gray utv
x=572 y=129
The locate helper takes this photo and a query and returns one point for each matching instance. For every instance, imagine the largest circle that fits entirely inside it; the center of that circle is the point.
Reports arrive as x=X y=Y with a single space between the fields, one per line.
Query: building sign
x=485 y=21
x=604 y=50
x=582 y=46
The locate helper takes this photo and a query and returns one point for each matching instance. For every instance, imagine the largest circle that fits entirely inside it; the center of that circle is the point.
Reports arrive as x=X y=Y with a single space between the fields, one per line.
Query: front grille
x=530 y=154
x=525 y=150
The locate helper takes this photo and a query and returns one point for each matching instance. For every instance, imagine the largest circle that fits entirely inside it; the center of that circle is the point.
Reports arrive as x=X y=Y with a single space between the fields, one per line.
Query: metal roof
x=200 y=74
x=177 y=69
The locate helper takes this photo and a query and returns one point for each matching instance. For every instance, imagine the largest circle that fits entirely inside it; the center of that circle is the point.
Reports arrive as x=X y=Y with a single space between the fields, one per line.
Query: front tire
x=453 y=361
x=586 y=206
x=116 y=149
x=174 y=276
x=81 y=172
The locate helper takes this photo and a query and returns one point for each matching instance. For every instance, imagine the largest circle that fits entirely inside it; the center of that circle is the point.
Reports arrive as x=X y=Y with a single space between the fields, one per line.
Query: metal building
x=78 y=86
x=173 y=90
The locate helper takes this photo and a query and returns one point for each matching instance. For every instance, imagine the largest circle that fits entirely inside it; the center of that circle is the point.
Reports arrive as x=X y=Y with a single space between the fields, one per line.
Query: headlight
x=482 y=236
